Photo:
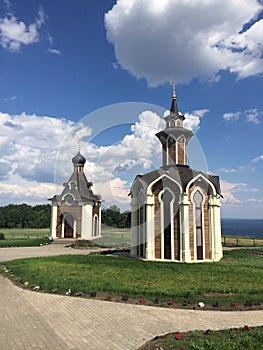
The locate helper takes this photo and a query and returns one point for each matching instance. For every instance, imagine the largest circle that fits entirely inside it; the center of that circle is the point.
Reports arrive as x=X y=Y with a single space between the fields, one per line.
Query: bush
x=2 y=236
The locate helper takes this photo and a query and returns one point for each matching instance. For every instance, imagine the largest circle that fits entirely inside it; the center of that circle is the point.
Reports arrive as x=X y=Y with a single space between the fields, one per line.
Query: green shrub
x=2 y=236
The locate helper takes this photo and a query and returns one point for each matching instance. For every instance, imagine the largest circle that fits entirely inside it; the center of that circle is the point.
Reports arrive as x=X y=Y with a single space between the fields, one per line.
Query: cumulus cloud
x=15 y=33
x=257 y=159
x=252 y=115
x=28 y=144
x=237 y=194
x=185 y=39
x=16 y=189
x=38 y=150
x=231 y=116
x=229 y=191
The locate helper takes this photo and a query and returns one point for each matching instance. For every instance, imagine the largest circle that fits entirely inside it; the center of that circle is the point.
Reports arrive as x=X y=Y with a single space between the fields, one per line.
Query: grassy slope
x=239 y=273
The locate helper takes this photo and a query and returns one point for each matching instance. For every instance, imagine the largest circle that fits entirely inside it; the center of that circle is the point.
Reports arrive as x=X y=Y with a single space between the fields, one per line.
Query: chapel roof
x=78 y=185
x=180 y=173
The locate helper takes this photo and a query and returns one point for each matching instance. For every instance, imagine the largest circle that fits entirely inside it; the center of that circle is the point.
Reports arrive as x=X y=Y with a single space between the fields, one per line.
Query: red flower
x=177 y=336
x=247 y=327
x=142 y=300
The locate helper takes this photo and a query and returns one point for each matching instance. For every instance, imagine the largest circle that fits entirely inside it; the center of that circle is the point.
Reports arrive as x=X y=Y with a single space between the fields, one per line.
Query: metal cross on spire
x=174 y=88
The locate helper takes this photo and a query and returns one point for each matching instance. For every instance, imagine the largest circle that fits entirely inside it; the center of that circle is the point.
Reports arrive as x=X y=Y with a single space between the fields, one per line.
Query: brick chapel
x=175 y=209
x=76 y=212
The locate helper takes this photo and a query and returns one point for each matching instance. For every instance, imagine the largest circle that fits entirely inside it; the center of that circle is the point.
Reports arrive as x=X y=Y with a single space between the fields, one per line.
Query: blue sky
x=95 y=75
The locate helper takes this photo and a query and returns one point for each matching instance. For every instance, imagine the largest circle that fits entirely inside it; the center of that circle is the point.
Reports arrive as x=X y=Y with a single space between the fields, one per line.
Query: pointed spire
x=174 y=108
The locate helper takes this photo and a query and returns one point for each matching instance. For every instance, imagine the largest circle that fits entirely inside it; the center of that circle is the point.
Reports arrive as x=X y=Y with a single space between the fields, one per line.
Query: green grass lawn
x=26 y=242
x=23 y=233
x=237 y=278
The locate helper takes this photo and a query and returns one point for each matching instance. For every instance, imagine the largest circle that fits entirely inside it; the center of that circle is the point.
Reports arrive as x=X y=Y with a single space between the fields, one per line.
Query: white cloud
x=231 y=116
x=12 y=98
x=229 y=192
x=237 y=195
x=8 y=4
x=255 y=160
x=19 y=190
x=185 y=39
x=54 y=51
x=233 y=170
x=37 y=150
x=15 y=33
x=28 y=144
x=253 y=116
x=51 y=49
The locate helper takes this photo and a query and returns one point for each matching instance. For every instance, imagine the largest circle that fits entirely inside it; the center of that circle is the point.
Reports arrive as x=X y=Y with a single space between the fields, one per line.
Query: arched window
x=73 y=185
x=198 y=200
x=171 y=151
x=95 y=226
x=181 y=159
x=167 y=199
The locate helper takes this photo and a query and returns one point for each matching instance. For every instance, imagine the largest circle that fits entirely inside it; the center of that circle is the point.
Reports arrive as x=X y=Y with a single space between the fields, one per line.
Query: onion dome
x=78 y=159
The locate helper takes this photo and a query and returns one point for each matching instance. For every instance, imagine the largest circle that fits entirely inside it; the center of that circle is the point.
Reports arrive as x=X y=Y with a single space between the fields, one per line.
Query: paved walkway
x=34 y=320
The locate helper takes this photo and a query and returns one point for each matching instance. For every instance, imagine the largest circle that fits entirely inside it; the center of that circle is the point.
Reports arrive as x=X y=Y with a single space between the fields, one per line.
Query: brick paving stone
x=34 y=320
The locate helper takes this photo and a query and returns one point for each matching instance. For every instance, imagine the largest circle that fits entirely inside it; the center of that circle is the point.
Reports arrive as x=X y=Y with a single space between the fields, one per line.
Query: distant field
x=22 y=233
x=116 y=237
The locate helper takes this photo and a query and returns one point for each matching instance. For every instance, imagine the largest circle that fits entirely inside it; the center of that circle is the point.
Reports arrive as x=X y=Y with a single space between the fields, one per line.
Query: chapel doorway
x=68 y=226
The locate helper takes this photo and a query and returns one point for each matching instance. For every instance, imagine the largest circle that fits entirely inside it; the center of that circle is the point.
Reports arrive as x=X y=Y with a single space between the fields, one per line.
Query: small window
x=73 y=185
x=69 y=199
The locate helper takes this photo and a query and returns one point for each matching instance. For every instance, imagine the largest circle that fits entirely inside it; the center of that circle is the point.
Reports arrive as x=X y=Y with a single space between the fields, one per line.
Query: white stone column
x=212 y=225
x=74 y=228
x=63 y=227
x=86 y=222
x=134 y=227
x=218 y=251
x=149 y=227
x=185 y=253
x=54 y=213
x=99 y=222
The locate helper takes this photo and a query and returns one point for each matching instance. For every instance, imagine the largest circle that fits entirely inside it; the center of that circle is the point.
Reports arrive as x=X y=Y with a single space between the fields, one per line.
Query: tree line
x=114 y=218
x=27 y=216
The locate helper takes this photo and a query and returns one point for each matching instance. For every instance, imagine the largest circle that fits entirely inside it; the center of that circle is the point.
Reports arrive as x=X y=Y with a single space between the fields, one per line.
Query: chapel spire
x=174 y=137
x=174 y=108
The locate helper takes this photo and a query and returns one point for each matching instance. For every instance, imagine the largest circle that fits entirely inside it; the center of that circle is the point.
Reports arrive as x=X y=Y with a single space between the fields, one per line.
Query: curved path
x=34 y=320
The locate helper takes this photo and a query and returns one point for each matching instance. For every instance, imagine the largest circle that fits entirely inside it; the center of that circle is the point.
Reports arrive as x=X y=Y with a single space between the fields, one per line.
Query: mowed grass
x=237 y=278
x=29 y=242
x=25 y=233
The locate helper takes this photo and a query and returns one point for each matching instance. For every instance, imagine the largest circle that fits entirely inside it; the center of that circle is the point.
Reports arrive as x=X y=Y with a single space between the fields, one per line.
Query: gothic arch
x=201 y=177
x=162 y=177
x=167 y=199
x=198 y=198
